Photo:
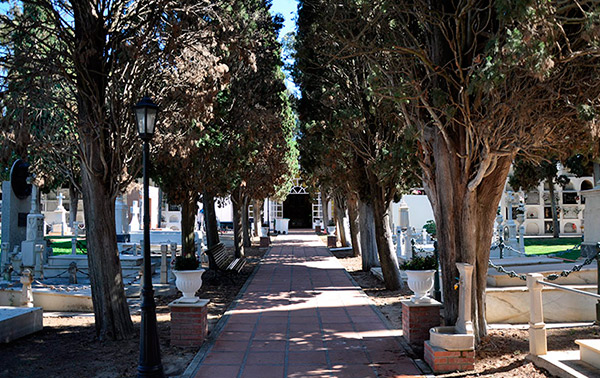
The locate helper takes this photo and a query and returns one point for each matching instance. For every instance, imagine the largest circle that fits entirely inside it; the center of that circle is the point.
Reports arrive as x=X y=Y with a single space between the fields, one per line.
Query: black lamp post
x=149 y=363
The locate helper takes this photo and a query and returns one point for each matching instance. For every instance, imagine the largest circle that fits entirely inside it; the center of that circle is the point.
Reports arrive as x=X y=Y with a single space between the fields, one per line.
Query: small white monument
x=121 y=224
x=35 y=231
x=58 y=217
x=134 y=225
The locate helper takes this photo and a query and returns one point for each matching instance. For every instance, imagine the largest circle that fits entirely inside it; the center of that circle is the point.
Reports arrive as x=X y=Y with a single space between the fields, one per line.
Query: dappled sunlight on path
x=301 y=316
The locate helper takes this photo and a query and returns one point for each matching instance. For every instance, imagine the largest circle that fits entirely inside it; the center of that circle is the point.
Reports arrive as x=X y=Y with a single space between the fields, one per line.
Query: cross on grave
x=60 y=199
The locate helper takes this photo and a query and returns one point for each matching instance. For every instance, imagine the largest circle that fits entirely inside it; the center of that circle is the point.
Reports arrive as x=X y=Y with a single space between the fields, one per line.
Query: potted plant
x=331 y=227
x=188 y=277
x=420 y=271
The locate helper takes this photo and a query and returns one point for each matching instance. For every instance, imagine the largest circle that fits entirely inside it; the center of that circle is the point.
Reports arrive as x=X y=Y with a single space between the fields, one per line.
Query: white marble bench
x=589 y=351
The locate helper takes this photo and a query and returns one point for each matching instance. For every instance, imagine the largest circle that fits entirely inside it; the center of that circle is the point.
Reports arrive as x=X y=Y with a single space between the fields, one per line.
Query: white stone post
x=537 y=327
x=163 y=264
x=407 y=247
x=512 y=226
x=27 y=291
x=74 y=238
x=173 y=256
x=464 y=323
x=39 y=258
x=4 y=251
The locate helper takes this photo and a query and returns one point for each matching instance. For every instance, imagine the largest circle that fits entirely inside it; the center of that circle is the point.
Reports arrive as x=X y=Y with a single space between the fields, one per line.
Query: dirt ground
x=67 y=346
x=501 y=354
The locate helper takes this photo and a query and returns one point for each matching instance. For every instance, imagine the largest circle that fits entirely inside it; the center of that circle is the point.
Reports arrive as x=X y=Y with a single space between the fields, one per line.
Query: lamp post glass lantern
x=149 y=362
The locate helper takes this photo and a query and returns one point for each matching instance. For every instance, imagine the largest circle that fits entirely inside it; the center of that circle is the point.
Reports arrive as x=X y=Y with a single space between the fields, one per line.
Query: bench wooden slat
x=224 y=260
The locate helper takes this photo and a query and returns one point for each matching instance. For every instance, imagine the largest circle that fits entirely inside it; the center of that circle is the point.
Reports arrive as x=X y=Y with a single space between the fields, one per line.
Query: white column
x=537 y=327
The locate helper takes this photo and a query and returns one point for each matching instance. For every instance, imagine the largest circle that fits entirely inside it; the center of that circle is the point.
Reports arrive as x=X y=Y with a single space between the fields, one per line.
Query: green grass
x=561 y=247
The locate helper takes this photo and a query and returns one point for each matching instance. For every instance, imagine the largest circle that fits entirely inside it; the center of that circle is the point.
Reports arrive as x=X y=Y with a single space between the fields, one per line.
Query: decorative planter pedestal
x=189 y=325
x=453 y=348
x=417 y=319
x=331 y=241
x=318 y=229
x=265 y=241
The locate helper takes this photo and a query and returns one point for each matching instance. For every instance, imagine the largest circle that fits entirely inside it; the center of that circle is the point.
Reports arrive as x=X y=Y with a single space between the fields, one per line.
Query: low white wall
x=511 y=305
x=50 y=301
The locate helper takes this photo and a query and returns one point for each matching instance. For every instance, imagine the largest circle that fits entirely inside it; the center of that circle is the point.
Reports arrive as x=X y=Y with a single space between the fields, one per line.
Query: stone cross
x=60 y=199
x=27 y=291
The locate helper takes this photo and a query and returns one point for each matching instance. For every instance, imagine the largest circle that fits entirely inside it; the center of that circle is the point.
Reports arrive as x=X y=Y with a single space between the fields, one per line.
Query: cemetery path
x=300 y=315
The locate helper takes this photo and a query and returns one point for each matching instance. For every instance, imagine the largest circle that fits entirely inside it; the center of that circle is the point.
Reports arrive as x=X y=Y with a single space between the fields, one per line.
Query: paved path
x=301 y=316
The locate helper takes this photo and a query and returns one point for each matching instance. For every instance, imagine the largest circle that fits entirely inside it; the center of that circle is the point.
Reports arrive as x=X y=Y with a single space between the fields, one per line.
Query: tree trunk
x=189 y=209
x=555 y=225
x=246 y=223
x=464 y=220
x=73 y=205
x=383 y=236
x=111 y=312
x=354 y=225
x=340 y=215
x=100 y=167
x=325 y=208
x=210 y=221
x=258 y=219
x=368 y=243
x=237 y=202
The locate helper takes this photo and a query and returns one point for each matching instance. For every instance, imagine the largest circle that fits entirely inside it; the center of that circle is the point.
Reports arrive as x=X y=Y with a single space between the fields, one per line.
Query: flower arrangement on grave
x=428 y=262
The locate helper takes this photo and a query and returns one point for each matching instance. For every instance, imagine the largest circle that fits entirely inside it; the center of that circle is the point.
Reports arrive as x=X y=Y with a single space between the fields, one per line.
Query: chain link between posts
x=550 y=277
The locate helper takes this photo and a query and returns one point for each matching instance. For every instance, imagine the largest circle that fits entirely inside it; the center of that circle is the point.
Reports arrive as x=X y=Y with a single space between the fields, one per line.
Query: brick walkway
x=301 y=316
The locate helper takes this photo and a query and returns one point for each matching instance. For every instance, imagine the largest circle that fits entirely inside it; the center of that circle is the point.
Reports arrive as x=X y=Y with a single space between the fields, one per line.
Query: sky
x=289 y=10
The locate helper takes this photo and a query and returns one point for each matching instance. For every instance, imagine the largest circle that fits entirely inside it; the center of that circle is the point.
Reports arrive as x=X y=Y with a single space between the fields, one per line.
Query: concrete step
x=589 y=351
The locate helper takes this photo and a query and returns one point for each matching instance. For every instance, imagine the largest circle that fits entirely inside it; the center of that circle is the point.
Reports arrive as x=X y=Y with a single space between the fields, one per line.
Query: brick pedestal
x=318 y=229
x=417 y=319
x=331 y=241
x=265 y=241
x=442 y=360
x=189 y=324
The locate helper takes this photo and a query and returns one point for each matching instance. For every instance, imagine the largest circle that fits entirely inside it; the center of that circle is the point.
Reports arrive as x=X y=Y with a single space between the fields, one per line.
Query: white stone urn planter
x=188 y=282
x=264 y=231
x=330 y=230
x=421 y=283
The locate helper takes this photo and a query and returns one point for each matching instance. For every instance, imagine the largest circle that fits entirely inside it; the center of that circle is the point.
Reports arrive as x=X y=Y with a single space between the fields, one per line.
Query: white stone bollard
x=27 y=291
x=537 y=327
x=163 y=264
x=39 y=259
x=173 y=256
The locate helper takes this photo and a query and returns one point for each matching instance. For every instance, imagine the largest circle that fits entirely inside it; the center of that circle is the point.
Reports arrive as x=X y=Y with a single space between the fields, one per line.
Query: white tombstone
x=591 y=216
x=510 y=223
x=407 y=246
x=121 y=216
x=404 y=214
x=35 y=231
x=134 y=225
x=58 y=217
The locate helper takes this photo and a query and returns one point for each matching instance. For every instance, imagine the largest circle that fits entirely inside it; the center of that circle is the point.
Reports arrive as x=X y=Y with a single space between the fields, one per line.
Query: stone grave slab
x=16 y=322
